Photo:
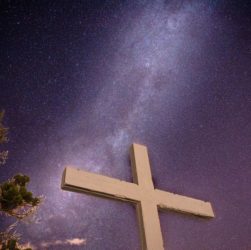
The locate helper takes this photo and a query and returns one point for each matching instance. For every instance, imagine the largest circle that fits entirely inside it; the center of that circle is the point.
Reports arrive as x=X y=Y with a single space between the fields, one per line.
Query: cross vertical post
x=150 y=231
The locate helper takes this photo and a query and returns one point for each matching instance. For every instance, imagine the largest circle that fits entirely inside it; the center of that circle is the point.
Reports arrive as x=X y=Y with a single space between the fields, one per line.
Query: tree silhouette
x=15 y=199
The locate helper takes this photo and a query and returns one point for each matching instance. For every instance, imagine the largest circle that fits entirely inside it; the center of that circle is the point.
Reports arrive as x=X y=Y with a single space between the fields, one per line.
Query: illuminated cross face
x=141 y=192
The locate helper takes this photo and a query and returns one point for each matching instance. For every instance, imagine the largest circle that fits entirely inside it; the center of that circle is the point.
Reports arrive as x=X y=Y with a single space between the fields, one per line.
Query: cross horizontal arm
x=100 y=185
x=167 y=200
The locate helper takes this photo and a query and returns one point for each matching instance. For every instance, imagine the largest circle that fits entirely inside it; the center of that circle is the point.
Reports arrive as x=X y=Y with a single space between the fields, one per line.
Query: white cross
x=141 y=192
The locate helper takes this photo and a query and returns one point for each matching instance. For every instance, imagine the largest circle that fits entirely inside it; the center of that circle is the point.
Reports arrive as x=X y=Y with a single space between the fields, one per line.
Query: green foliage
x=12 y=244
x=3 y=139
x=14 y=194
x=3 y=130
x=3 y=157
x=3 y=134
x=15 y=199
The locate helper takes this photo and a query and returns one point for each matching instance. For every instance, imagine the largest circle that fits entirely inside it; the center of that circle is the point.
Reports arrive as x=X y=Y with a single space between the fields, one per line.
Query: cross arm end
x=167 y=200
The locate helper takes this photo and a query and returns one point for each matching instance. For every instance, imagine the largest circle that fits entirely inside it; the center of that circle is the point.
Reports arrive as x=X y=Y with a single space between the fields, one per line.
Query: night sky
x=80 y=81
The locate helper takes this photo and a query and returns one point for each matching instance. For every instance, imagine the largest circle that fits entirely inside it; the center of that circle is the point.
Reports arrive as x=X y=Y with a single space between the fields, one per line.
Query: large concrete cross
x=141 y=192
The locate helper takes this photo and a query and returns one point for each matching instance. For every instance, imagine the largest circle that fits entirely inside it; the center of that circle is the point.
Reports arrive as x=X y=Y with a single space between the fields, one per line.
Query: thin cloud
x=72 y=242
x=76 y=242
x=28 y=245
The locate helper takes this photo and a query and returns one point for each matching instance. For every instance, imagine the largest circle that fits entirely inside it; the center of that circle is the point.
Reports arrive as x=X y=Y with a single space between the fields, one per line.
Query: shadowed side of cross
x=141 y=192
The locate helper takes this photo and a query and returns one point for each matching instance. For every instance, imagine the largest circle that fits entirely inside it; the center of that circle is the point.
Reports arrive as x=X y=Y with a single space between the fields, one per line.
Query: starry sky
x=80 y=81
